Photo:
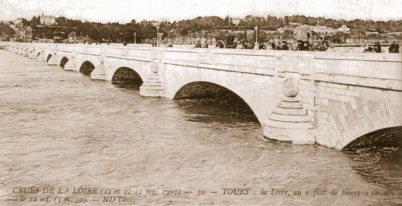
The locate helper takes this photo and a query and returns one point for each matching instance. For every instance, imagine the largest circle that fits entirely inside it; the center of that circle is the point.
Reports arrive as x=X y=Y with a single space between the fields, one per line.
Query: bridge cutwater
x=324 y=98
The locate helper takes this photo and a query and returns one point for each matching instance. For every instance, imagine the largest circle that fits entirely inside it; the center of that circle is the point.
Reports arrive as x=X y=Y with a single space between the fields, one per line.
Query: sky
x=124 y=11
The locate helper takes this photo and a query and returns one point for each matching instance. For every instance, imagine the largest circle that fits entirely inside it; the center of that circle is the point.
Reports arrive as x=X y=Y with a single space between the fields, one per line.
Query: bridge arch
x=261 y=96
x=223 y=95
x=63 y=61
x=126 y=75
x=87 y=67
x=391 y=136
x=49 y=56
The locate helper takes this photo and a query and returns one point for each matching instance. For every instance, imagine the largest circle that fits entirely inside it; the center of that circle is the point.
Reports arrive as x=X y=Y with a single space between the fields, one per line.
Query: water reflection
x=205 y=101
x=377 y=157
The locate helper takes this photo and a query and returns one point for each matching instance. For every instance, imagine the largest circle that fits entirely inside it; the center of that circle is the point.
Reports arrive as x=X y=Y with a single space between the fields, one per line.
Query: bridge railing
x=332 y=66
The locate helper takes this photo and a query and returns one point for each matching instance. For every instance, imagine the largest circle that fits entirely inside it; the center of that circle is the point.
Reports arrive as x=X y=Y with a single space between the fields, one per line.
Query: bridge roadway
x=322 y=98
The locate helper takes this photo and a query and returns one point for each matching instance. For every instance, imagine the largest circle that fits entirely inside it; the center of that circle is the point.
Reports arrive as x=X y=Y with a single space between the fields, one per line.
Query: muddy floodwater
x=96 y=143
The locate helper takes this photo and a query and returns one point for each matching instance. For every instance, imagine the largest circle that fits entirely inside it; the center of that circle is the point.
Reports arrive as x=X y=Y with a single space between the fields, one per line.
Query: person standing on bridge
x=285 y=46
x=394 y=48
x=198 y=44
x=377 y=47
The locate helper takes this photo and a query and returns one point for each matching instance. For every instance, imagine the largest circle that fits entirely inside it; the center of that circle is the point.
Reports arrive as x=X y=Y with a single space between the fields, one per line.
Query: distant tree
x=286 y=19
x=144 y=30
x=6 y=29
x=35 y=21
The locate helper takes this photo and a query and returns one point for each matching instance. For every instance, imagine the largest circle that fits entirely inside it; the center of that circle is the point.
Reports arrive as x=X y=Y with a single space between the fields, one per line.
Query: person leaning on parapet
x=285 y=45
x=198 y=44
x=205 y=44
x=369 y=49
x=273 y=46
x=302 y=46
x=279 y=46
x=377 y=47
x=394 y=48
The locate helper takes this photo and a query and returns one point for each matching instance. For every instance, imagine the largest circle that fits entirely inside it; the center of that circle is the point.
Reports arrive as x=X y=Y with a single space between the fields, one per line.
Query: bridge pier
x=99 y=73
x=20 y=51
x=53 y=60
x=41 y=57
x=32 y=54
x=71 y=64
x=152 y=86
x=26 y=52
x=289 y=121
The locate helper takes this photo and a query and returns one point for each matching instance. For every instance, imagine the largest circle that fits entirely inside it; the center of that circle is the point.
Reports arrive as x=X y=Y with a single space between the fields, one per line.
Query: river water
x=60 y=129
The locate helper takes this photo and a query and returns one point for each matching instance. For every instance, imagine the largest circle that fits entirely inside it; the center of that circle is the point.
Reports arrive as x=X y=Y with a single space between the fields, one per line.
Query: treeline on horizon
x=117 y=32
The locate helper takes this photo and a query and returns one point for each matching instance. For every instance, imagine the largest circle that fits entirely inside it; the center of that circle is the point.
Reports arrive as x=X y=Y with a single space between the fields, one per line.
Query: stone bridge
x=325 y=98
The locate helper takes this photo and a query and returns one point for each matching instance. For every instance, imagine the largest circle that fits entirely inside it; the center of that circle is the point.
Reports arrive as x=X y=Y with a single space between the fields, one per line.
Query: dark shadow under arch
x=377 y=157
x=87 y=68
x=48 y=57
x=127 y=78
x=38 y=55
x=387 y=137
x=63 y=62
x=216 y=100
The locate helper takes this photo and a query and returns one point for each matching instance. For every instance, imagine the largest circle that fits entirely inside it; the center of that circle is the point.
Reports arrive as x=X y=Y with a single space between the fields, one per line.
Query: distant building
x=72 y=37
x=3 y=36
x=394 y=33
x=371 y=31
x=47 y=20
x=322 y=30
x=23 y=33
x=282 y=30
x=18 y=21
x=294 y=24
x=291 y=28
x=301 y=31
x=344 y=29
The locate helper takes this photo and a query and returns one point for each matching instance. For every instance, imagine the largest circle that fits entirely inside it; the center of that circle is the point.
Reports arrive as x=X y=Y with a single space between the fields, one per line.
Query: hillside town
x=251 y=32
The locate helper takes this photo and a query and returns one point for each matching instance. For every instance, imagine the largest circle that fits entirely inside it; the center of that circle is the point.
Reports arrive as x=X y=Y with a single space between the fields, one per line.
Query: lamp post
x=256 y=37
x=156 y=24
x=236 y=22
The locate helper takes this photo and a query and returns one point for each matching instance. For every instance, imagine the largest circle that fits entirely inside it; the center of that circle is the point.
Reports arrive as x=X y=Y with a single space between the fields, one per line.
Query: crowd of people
x=281 y=46
x=393 y=48
x=301 y=46
x=318 y=45
x=201 y=45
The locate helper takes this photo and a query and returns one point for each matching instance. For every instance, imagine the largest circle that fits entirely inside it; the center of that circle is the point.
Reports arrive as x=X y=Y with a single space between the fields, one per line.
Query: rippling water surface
x=60 y=128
